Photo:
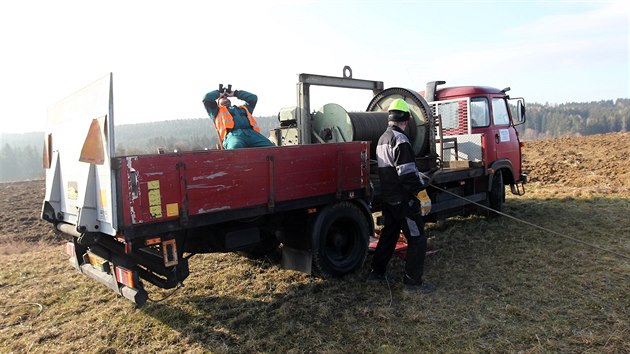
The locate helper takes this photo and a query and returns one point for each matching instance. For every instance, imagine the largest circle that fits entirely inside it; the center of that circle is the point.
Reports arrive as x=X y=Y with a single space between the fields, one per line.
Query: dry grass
x=501 y=287
x=20 y=246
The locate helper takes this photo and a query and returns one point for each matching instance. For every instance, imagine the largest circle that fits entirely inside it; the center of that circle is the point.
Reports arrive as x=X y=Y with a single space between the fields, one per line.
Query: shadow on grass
x=306 y=317
x=502 y=286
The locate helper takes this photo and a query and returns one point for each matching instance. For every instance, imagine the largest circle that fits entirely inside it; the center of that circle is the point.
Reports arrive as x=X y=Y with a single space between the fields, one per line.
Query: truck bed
x=192 y=189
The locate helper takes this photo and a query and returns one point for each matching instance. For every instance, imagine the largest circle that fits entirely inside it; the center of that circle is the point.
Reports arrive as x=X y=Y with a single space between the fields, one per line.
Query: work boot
x=414 y=287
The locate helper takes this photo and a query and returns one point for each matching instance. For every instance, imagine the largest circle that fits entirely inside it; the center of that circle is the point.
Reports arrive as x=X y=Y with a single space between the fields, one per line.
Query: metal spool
x=368 y=126
x=332 y=123
x=421 y=114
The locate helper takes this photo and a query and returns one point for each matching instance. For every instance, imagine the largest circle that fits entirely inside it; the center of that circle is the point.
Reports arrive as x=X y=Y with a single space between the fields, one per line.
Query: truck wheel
x=340 y=238
x=497 y=193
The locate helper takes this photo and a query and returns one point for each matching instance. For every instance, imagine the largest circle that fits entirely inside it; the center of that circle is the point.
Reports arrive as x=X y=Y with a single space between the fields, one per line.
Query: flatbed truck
x=140 y=218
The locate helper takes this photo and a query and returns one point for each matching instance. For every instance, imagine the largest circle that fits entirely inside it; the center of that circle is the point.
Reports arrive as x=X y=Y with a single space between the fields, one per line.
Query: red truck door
x=502 y=140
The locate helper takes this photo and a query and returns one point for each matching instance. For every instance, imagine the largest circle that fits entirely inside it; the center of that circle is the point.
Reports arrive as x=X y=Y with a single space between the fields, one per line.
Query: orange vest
x=225 y=121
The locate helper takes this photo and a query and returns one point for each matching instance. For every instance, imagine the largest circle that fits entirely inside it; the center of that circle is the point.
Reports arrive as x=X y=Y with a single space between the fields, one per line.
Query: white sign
x=504 y=135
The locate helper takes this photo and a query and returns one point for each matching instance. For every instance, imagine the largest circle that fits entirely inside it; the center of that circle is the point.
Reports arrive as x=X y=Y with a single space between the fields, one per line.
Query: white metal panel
x=468 y=148
x=85 y=192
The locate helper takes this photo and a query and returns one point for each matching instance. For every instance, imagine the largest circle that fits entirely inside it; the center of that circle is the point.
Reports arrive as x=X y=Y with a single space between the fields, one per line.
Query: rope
x=179 y=286
x=368 y=126
x=41 y=308
x=534 y=225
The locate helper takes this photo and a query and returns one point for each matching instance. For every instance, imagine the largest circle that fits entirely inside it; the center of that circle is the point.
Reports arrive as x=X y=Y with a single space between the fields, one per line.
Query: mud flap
x=296 y=259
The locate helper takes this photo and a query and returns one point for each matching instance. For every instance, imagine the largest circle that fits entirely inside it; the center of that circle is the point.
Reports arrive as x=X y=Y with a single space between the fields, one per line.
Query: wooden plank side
x=228 y=179
x=195 y=183
x=355 y=165
x=155 y=196
x=306 y=172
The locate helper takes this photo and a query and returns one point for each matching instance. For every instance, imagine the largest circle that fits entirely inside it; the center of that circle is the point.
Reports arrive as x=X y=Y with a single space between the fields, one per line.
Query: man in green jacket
x=235 y=125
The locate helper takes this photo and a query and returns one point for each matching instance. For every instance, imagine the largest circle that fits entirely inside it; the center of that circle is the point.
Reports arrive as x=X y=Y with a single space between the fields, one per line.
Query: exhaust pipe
x=429 y=93
x=68 y=229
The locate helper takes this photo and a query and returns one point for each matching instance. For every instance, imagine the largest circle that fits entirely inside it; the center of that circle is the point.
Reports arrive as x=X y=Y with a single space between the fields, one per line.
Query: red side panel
x=163 y=187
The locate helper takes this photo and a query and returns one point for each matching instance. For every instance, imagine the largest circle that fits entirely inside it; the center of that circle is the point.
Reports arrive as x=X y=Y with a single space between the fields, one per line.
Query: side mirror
x=520 y=112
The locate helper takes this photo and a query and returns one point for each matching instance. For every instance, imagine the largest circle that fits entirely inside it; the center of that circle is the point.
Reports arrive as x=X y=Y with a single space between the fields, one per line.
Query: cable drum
x=368 y=126
x=421 y=128
x=332 y=123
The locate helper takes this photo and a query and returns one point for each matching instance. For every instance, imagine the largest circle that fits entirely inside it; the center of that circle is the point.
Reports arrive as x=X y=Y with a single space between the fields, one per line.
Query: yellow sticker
x=154 y=197
x=103 y=200
x=155 y=201
x=156 y=211
x=72 y=190
x=172 y=209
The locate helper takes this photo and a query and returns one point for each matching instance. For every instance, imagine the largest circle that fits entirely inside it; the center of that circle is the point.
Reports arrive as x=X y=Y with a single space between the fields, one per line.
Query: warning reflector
x=92 y=151
x=47 y=156
x=125 y=277
x=70 y=250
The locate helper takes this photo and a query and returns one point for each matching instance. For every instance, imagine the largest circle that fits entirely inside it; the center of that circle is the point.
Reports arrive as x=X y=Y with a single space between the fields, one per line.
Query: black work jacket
x=400 y=179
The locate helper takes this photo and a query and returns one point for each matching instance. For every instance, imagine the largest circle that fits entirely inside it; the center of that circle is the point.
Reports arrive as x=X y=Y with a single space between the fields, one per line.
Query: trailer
x=140 y=218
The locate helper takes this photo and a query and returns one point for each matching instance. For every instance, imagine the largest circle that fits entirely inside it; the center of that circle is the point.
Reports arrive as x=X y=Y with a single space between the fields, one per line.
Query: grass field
x=502 y=286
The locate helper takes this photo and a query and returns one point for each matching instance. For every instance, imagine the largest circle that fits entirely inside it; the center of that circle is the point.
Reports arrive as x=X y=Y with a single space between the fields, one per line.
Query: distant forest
x=171 y=135
x=21 y=154
x=552 y=121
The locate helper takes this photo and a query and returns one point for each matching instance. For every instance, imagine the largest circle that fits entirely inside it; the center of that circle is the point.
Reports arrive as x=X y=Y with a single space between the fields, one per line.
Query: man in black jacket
x=402 y=186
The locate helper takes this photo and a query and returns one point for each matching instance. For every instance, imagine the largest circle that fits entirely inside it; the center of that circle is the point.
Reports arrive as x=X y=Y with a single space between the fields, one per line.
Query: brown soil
x=20 y=223
x=596 y=163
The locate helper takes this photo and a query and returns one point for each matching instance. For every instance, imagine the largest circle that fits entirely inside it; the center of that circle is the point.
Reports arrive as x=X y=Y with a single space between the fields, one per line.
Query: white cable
x=41 y=308
x=534 y=225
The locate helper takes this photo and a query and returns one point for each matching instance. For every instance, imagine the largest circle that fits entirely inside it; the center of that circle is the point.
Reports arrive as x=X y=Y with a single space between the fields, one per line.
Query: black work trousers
x=403 y=216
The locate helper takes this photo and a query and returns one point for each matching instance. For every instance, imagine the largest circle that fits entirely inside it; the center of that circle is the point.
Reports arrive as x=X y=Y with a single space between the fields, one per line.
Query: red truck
x=478 y=116
x=140 y=218
x=464 y=137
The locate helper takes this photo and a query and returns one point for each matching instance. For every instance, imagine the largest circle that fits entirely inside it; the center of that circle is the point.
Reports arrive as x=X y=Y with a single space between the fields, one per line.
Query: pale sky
x=165 y=55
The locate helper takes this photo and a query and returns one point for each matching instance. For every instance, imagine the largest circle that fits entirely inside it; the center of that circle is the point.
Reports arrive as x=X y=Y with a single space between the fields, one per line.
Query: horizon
x=546 y=104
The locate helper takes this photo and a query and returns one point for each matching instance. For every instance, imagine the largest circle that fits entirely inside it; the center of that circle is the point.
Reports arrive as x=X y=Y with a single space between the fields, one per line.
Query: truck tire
x=340 y=239
x=497 y=193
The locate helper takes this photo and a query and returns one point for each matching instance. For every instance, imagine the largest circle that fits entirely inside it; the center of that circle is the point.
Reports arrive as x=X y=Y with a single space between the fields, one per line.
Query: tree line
x=551 y=121
x=21 y=154
x=19 y=163
x=174 y=135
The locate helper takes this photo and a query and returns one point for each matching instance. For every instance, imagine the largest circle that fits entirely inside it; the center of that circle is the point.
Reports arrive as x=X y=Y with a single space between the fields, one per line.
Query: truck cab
x=489 y=112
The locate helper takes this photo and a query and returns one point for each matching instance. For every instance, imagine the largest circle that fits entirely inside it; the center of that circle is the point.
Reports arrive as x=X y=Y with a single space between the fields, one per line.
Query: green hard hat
x=398 y=105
